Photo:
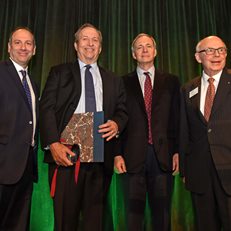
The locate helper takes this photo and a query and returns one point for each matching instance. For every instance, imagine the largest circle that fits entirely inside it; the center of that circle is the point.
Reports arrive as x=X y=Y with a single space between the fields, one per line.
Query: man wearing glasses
x=205 y=137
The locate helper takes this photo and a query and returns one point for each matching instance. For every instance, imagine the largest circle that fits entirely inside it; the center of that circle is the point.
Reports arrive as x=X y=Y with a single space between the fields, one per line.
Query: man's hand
x=175 y=164
x=59 y=153
x=109 y=129
x=119 y=165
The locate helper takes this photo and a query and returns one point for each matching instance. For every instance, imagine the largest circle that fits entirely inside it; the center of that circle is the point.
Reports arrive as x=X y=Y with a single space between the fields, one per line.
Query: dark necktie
x=26 y=88
x=90 y=103
x=209 y=98
x=148 y=103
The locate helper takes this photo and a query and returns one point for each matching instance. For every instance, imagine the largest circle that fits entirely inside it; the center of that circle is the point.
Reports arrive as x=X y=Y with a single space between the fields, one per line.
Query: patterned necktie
x=26 y=88
x=148 y=103
x=209 y=98
x=90 y=103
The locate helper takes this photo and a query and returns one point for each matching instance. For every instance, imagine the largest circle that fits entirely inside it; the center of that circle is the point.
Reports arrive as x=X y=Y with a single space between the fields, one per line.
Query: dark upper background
x=177 y=26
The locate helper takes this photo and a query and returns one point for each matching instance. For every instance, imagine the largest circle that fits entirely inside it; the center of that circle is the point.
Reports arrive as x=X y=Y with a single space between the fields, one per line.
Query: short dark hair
x=20 y=28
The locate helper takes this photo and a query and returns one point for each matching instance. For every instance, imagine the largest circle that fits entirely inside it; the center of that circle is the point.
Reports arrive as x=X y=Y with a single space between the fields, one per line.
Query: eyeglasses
x=212 y=51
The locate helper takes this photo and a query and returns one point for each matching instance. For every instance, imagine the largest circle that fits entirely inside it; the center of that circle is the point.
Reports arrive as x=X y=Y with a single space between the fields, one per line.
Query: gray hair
x=77 y=33
x=141 y=35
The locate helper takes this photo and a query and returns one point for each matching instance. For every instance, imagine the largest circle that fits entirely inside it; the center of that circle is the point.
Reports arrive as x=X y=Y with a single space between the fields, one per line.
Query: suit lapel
x=194 y=94
x=77 y=79
x=158 y=87
x=157 y=91
x=137 y=91
x=36 y=94
x=106 y=89
x=224 y=88
x=16 y=80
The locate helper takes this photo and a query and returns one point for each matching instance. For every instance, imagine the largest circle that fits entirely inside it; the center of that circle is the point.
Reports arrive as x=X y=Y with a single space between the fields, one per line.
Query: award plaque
x=82 y=130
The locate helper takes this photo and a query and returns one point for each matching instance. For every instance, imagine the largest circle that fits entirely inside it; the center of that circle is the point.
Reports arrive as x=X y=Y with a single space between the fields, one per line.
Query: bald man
x=205 y=145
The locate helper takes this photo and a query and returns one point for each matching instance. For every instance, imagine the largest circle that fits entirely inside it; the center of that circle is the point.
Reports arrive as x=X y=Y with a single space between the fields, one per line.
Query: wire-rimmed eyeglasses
x=212 y=51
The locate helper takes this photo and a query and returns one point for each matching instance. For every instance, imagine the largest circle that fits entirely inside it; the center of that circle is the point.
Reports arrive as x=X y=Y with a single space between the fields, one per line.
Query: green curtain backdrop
x=177 y=26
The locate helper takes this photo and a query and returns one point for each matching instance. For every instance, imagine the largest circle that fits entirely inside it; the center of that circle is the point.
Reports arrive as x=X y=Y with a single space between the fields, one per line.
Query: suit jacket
x=60 y=99
x=15 y=125
x=164 y=121
x=202 y=142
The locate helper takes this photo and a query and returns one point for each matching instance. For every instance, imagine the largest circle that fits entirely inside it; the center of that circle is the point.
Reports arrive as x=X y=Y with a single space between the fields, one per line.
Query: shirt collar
x=140 y=71
x=18 y=67
x=82 y=64
x=205 y=77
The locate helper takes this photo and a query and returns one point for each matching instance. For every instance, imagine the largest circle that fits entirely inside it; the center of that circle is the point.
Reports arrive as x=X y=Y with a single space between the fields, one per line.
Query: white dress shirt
x=19 y=68
x=204 y=86
x=142 y=76
x=98 y=86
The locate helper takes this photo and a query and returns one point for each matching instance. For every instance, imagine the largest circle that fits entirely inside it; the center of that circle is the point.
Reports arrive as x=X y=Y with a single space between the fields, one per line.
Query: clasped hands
x=59 y=151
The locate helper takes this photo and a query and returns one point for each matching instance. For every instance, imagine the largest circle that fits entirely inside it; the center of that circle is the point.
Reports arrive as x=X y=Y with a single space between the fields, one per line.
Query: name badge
x=193 y=92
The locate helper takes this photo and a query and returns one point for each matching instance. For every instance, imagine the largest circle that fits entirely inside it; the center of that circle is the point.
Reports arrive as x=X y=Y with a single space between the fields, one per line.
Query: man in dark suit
x=150 y=140
x=17 y=132
x=64 y=94
x=205 y=145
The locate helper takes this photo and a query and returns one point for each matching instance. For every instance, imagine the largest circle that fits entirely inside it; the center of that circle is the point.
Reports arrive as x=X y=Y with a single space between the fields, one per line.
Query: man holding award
x=74 y=100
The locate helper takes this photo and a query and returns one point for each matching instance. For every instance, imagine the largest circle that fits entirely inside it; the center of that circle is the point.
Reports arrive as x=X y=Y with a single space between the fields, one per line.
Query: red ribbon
x=54 y=178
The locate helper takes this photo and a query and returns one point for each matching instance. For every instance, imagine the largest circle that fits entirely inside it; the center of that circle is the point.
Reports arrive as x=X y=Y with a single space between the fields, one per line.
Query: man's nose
x=217 y=53
x=90 y=42
x=145 y=49
x=23 y=46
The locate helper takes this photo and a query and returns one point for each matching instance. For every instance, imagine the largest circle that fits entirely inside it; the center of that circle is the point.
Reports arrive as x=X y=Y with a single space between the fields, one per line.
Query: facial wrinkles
x=144 y=47
x=213 y=63
x=144 y=52
x=21 y=48
x=88 y=46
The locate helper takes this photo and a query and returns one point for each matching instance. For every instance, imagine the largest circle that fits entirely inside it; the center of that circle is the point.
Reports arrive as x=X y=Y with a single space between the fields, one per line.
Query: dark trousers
x=15 y=201
x=80 y=206
x=155 y=184
x=212 y=208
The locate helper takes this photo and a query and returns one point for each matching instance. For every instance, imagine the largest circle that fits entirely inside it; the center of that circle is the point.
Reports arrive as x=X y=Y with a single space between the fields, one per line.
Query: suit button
x=209 y=130
x=30 y=122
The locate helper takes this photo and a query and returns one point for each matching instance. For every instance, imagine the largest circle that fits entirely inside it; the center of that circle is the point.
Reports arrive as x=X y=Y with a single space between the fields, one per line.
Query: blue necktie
x=90 y=103
x=26 y=88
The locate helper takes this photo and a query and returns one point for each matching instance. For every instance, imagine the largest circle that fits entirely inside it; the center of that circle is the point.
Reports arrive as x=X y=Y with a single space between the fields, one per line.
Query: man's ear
x=9 y=47
x=134 y=55
x=155 y=53
x=197 y=57
x=34 y=51
x=75 y=46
